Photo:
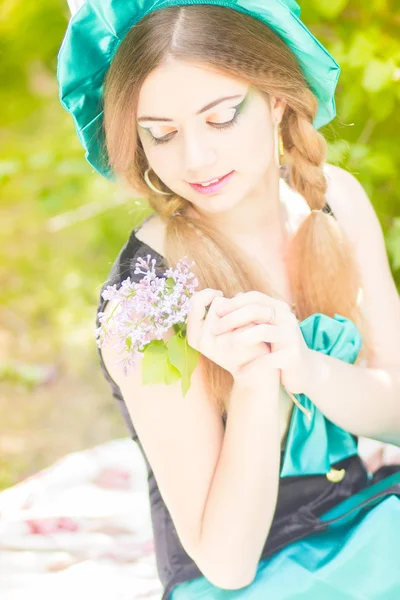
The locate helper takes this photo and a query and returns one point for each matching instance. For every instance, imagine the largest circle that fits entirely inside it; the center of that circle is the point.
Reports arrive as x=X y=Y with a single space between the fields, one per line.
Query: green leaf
x=183 y=357
x=156 y=366
x=169 y=284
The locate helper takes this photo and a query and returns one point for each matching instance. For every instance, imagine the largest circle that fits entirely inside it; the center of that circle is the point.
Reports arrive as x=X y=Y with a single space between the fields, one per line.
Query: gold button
x=336 y=475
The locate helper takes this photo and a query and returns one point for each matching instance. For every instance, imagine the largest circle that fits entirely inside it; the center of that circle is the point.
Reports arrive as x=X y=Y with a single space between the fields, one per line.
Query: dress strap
x=136 y=229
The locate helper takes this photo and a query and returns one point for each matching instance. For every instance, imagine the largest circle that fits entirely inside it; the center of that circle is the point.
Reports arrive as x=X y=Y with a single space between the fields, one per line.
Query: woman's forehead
x=181 y=87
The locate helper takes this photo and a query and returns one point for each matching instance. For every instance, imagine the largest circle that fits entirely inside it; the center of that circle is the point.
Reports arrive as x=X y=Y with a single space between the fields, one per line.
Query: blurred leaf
x=381 y=5
x=26 y=374
x=393 y=243
x=351 y=103
x=361 y=50
x=380 y=165
x=358 y=152
x=382 y=104
x=378 y=75
x=330 y=9
x=338 y=151
x=9 y=167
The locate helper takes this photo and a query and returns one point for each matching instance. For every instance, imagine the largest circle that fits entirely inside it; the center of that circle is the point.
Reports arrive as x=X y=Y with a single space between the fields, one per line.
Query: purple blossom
x=147 y=309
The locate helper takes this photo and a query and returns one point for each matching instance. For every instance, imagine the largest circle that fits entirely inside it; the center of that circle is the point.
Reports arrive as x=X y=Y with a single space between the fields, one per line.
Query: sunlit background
x=62 y=225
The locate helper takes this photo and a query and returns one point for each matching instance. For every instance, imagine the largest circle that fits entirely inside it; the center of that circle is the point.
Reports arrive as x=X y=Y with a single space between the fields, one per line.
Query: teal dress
x=356 y=554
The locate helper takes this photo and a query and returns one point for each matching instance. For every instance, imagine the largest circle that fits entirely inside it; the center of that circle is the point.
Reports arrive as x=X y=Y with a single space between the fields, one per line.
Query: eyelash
x=226 y=125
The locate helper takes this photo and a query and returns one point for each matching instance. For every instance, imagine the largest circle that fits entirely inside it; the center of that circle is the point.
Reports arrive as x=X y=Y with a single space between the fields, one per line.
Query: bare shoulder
x=350 y=203
x=381 y=304
x=152 y=233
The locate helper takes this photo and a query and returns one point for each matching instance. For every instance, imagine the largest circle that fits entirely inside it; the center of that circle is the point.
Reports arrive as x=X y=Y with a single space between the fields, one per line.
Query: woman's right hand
x=232 y=350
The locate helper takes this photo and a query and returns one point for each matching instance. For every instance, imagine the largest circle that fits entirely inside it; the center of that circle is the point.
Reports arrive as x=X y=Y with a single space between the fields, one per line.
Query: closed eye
x=220 y=126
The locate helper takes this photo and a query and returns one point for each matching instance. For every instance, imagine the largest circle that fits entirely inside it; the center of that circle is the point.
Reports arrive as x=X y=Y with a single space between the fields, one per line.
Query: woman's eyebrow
x=207 y=107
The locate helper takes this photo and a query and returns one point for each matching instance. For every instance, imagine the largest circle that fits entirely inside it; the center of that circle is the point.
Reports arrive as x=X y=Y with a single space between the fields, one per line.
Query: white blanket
x=82 y=526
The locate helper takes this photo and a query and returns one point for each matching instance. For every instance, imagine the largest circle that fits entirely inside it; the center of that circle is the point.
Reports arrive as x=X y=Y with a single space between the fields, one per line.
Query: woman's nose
x=198 y=157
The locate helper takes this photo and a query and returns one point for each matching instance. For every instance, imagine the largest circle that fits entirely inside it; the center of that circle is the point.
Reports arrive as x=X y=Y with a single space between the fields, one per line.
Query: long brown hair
x=322 y=269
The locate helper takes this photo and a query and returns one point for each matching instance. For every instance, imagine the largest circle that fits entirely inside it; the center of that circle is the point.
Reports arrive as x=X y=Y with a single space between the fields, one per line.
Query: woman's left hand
x=289 y=352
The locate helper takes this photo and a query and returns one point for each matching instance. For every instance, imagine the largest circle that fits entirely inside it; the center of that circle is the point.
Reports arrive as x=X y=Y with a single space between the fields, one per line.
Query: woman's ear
x=277 y=108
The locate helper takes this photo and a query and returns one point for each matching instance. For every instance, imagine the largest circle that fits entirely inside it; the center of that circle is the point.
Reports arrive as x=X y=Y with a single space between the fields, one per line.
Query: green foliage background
x=62 y=225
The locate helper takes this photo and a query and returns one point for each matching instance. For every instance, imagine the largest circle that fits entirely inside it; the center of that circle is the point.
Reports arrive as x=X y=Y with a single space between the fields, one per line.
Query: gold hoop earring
x=151 y=186
x=278 y=145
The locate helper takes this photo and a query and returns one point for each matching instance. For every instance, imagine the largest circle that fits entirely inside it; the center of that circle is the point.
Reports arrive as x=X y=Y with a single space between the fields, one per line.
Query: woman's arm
x=364 y=401
x=220 y=487
x=242 y=498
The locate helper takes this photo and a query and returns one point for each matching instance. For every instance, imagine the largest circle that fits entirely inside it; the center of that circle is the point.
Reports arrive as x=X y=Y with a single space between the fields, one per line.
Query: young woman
x=212 y=111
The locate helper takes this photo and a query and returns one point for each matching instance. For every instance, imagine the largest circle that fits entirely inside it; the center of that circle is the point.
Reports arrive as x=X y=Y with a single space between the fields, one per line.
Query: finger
x=196 y=316
x=253 y=297
x=279 y=359
x=251 y=313
x=249 y=367
x=211 y=320
x=200 y=300
x=201 y=334
x=271 y=334
x=256 y=313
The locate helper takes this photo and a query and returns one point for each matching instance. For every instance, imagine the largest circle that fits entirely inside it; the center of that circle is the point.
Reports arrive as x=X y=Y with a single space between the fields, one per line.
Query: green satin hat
x=97 y=27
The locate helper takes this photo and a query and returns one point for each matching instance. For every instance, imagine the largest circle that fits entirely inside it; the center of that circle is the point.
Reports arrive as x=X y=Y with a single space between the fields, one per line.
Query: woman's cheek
x=165 y=167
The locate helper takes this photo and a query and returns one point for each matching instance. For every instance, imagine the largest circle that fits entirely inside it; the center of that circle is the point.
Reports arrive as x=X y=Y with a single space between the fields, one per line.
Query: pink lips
x=213 y=187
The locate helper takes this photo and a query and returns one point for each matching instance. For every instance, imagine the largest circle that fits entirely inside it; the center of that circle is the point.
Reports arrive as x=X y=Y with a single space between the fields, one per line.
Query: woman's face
x=186 y=143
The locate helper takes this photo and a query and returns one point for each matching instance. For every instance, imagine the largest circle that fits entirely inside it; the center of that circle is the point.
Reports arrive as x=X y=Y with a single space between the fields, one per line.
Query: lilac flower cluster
x=146 y=309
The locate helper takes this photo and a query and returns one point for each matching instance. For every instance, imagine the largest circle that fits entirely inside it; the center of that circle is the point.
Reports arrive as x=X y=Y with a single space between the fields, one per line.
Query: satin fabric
x=356 y=553
x=98 y=27
x=358 y=561
x=312 y=446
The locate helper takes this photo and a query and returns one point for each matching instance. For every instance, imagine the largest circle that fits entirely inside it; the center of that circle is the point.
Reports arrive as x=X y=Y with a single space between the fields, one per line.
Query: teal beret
x=98 y=27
